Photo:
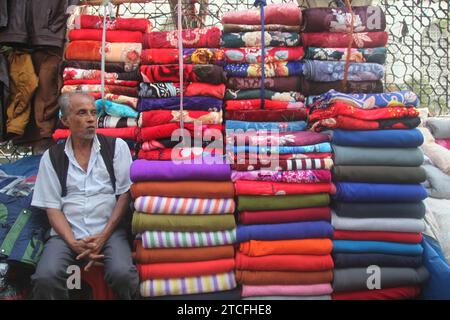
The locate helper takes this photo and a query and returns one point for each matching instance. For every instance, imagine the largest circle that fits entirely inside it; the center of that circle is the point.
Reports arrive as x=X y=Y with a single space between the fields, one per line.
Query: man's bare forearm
x=59 y=223
x=118 y=213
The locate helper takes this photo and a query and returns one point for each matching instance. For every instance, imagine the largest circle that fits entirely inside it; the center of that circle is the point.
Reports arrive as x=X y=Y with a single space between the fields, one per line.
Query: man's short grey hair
x=64 y=101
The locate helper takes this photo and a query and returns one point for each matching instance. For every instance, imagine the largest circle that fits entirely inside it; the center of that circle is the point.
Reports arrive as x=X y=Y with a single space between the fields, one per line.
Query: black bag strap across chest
x=60 y=161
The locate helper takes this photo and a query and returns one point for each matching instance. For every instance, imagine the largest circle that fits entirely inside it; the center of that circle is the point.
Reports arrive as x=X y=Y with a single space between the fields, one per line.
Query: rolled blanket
x=254 y=248
x=195 y=285
x=178 y=223
x=327 y=71
x=378 y=139
x=269 y=126
x=264 y=115
x=366 y=18
x=313 y=88
x=289 y=14
x=355 y=260
x=256 y=104
x=275 y=69
x=257 y=203
x=93 y=74
x=232 y=27
x=184 y=206
x=398 y=157
x=190 y=56
x=285 y=216
x=247 y=187
x=324 y=147
x=340 y=40
x=85 y=21
x=115 y=67
x=287 y=290
x=111 y=36
x=271 y=54
x=284 y=231
x=142 y=170
x=172 y=89
x=192 y=38
x=250 y=94
x=283 y=164
x=414 y=210
x=294 y=138
x=379 y=174
x=402 y=237
x=158 y=117
x=253 y=39
x=370 y=55
x=260 y=278
x=168 y=239
x=115 y=109
x=173 y=130
x=192 y=73
x=94 y=88
x=189 y=103
x=115 y=122
x=276 y=84
x=359 y=246
x=124 y=133
x=295 y=176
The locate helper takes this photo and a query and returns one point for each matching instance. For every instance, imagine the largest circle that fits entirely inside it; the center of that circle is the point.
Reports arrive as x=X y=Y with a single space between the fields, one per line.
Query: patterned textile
x=255 y=104
x=173 y=103
x=327 y=71
x=94 y=82
x=85 y=21
x=190 y=56
x=253 y=39
x=162 y=239
x=289 y=14
x=114 y=109
x=180 y=153
x=115 y=122
x=289 y=96
x=294 y=138
x=113 y=89
x=279 y=126
x=230 y=28
x=192 y=38
x=281 y=84
x=192 y=73
x=311 y=88
x=189 y=206
x=321 y=147
x=341 y=40
x=266 y=115
x=172 y=89
x=293 y=176
x=93 y=74
x=372 y=55
x=189 y=285
x=169 y=130
x=158 y=117
x=296 y=164
x=129 y=101
x=276 y=69
x=348 y=123
x=271 y=54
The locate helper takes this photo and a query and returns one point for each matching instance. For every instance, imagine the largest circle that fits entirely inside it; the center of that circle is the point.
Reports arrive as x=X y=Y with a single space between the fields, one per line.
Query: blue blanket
x=351 y=246
x=378 y=138
x=280 y=126
x=320 y=147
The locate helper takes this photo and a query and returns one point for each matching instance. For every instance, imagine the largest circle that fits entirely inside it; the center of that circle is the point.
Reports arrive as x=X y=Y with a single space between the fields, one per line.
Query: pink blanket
x=287 y=290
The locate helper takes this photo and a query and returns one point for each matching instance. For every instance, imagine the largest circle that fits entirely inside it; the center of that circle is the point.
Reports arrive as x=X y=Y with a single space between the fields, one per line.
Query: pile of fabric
x=326 y=38
x=378 y=209
x=243 y=53
x=159 y=94
x=184 y=216
x=117 y=112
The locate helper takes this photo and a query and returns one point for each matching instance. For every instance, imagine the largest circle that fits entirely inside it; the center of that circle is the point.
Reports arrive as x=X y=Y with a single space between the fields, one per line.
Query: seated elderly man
x=83 y=184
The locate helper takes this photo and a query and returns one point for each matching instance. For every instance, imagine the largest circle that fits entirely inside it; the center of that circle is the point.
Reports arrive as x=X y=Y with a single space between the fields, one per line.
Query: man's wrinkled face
x=81 y=118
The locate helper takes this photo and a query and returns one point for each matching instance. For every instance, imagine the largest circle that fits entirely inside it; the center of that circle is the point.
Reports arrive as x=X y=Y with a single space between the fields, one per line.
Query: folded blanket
x=414 y=210
x=438 y=155
x=444 y=143
x=439 y=182
x=253 y=39
x=284 y=216
x=294 y=176
x=251 y=94
x=120 y=99
x=378 y=139
x=191 y=73
x=378 y=224
x=95 y=83
x=353 y=279
x=171 y=89
x=264 y=115
x=142 y=170
x=380 y=174
x=190 y=55
x=294 y=138
x=124 y=133
x=184 y=206
x=129 y=53
x=261 y=278
x=287 y=290
x=327 y=71
x=257 y=203
x=254 y=248
x=355 y=260
x=282 y=164
x=281 y=84
x=93 y=74
x=189 y=285
x=367 y=18
x=274 y=149
x=115 y=122
x=347 y=246
x=115 y=109
x=401 y=157
x=144 y=256
x=229 y=295
x=403 y=237
x=169 y=239
x=313 y=88
x=233 y=27
x=271 y=54
x=284 y=231
x=399 y=293
x=370 y=55
x=158 y=117
x=289 y=14
x=363 y=192
x=279 y=126
x=184 y=269
x=115 y=67
x=439 y=127
x=284 y=262
x=121 y=36
x=173 y=103
x=168 y=143
x=179 y=154
x=85 y=21
x=109 y=89
x=255 y=104
x=186 y=189
x=275 y=69
x=173 y=130
x=192 y=38
x=246 y=187
x=340 y=40
x=368 y=101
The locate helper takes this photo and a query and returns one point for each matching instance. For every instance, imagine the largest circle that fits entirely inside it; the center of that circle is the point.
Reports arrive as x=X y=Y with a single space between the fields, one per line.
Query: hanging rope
x=106 y=3
x=349 y=48
x=261 y=4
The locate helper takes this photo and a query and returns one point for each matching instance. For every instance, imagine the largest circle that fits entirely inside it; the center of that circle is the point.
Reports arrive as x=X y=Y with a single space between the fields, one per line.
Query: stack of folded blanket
x=243 y=56
x=378 y=208
x=117 y=114
x=159 y=94
x=184 y=216
x=326 y=38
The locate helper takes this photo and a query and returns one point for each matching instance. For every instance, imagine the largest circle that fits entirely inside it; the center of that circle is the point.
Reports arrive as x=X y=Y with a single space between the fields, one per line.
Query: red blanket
x=258 y=188
x=192 y=73
x=158 y=117
x=255 y=104
x=341 y=40
x=178 y=153
x=377 y=236
x=286 y=14
x=170 y=56
x=266 y=115
x=124 y=133
x=111 y=36
x=125 y=83
x=348 y=123
x=166 y=131
x=399 y=293
x=285 y=216
x=85 y=21
x=192 y=38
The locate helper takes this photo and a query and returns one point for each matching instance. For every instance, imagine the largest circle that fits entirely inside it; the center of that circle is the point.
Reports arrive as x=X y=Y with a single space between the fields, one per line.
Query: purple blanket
x=145 y=170
x=173 y=103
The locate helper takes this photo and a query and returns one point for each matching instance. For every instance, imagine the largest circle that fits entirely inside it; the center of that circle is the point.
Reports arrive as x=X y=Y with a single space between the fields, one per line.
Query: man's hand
x=94 y=245
x=79 y=246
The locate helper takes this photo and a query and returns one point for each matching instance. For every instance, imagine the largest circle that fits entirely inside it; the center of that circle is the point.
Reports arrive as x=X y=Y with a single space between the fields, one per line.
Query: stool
x=95 y=278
